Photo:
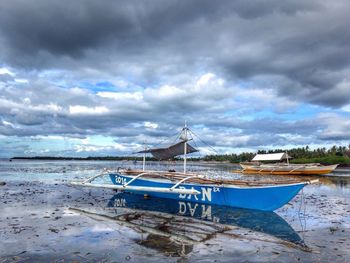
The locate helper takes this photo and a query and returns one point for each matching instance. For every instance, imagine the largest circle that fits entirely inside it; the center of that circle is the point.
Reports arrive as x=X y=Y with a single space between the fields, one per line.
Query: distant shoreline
x=129 y=158
x=335 y=155
x=90 y=158
x=115 y=158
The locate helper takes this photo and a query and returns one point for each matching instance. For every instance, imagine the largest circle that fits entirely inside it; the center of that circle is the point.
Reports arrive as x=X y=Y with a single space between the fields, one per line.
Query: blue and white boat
x=260 y=195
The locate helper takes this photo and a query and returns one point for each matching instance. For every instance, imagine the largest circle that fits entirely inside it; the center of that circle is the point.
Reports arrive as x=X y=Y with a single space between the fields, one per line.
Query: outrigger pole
x=140 y=188
x=126 y=186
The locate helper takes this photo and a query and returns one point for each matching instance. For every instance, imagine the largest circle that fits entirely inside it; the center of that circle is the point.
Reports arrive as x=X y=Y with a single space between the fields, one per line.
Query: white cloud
x=121 y=95
x=4 y=70
x=81 y=110
x=204 y=79
x=166 y=92
x=7 y=123
x=86 y=148
x=337 y=127
x=26 y=106
x=259 y=99
x=26 y=100
x=53 y=137
x=21 y=80
x=346 y=108
x=151 y=125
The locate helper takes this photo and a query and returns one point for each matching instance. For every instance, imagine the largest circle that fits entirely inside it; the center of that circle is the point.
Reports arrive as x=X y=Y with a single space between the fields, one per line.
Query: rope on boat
x=203 y=141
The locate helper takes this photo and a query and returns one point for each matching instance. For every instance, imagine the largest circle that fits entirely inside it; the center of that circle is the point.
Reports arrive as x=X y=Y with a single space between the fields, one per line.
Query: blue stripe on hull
x=260 y=198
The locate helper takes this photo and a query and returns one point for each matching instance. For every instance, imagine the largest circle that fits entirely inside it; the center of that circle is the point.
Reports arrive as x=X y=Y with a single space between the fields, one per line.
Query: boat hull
x=266 y=198
x=287 y=170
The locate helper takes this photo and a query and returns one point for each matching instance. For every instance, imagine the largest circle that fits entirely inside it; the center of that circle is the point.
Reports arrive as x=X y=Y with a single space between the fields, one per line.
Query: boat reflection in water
x=169 y=220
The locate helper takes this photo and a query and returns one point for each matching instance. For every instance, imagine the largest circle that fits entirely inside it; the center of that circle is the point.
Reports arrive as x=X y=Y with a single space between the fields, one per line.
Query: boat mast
x=144 y=157
x=287 y=158
x=185 y=146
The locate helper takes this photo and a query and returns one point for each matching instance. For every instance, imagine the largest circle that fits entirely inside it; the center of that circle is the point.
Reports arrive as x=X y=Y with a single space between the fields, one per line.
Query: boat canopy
x=171 y=151
x=271 y=157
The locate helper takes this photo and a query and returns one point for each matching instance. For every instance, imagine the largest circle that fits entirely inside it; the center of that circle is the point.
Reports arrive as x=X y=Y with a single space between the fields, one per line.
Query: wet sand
x=55 y=222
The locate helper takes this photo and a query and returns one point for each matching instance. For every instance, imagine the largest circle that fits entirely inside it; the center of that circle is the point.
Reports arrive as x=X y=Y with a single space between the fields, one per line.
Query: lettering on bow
x=205 y=194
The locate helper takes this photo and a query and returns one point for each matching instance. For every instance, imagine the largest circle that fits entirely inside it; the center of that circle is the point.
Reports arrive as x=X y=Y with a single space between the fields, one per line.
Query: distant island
x=89 y=158
x=334 y=155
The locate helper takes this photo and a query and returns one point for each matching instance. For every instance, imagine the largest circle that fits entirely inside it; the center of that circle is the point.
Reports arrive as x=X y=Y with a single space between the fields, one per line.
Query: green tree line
x=336 y=154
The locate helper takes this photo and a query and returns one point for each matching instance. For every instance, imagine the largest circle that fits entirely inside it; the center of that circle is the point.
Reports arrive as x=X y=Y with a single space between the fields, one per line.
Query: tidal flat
x=44 y=219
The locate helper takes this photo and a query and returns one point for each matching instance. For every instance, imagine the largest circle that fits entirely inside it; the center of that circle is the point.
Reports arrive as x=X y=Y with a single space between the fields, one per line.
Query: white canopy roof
x=271 y=157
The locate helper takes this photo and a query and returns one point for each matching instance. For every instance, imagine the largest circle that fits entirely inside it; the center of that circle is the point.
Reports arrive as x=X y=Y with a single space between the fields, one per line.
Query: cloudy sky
x=88 y=78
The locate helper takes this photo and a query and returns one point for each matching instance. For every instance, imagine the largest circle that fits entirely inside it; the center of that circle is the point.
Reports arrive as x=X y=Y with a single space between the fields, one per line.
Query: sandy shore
x=43 y=222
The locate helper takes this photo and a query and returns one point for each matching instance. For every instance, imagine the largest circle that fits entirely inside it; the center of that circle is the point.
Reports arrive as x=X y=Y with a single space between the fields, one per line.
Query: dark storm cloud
x=304 y=43
x=61 y=27
x=66 y=28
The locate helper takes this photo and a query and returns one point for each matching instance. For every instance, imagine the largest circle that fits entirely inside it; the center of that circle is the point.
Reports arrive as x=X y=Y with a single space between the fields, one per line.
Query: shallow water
x=42 y=218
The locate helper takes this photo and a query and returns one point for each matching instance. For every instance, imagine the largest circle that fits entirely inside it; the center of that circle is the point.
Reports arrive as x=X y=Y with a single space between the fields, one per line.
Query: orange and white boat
x=257 y=167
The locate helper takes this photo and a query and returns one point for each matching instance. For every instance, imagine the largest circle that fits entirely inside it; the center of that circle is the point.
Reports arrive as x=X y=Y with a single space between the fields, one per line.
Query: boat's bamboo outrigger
x=126 y=186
